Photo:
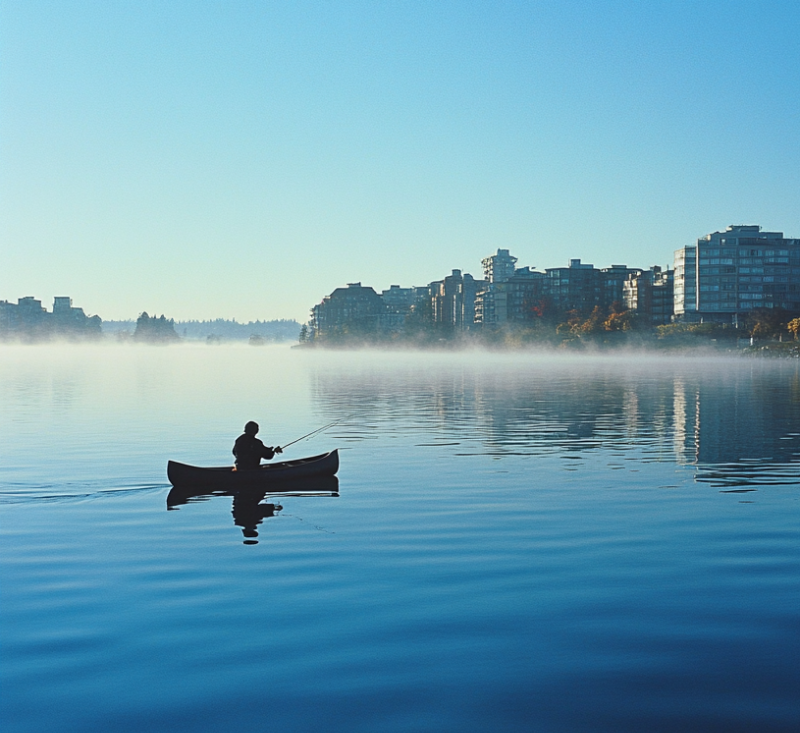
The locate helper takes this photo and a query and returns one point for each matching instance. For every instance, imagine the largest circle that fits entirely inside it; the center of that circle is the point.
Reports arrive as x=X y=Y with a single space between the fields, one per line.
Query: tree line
x=615 y=326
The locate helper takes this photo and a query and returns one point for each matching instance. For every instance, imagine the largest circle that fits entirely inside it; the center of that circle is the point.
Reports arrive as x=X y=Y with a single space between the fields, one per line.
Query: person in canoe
x=249 y=450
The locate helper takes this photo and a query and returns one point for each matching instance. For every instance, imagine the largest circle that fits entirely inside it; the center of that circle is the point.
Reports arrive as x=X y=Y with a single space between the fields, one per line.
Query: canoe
x=226 y=478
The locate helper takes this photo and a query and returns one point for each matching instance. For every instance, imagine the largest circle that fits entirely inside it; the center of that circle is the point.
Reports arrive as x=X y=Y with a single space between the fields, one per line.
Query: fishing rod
x=313 y=432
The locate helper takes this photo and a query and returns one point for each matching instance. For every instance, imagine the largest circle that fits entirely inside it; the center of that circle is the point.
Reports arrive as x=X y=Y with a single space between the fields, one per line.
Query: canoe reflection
x=248 y=510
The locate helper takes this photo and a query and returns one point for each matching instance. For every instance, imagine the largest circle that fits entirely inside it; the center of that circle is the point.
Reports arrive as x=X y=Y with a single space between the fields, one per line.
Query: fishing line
x=314 y=432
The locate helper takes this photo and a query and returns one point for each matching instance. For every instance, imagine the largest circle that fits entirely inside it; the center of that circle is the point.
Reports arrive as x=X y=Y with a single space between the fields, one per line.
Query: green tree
x=155 y=330
x=764 y=322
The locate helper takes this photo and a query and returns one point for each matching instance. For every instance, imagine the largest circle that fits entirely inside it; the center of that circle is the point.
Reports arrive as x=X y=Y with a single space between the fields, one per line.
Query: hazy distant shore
x=652 y=346
x=223 y=329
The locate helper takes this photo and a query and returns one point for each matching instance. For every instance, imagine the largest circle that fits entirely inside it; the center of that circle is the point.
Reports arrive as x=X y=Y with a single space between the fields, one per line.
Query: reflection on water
x=738 y=422
x=248 y=513
x=247 y=510
x=504 y=556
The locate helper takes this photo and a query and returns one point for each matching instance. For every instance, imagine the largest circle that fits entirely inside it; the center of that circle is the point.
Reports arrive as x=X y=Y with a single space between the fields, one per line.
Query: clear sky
x=243 y=159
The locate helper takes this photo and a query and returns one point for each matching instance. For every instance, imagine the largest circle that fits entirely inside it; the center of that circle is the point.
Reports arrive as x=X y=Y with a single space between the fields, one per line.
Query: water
x=518 y=543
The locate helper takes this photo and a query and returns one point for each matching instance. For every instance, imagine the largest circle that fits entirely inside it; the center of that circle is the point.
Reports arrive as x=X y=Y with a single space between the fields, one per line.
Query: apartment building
x=356 y=309
x=725 y=275
x=650 y=294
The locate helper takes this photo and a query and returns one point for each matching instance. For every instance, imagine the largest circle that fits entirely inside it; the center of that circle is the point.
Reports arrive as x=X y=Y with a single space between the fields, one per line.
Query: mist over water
x=519 y=542
x=708 y=412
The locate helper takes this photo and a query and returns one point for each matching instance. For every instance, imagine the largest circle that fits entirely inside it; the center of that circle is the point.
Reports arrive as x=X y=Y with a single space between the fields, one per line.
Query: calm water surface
x=518 y=543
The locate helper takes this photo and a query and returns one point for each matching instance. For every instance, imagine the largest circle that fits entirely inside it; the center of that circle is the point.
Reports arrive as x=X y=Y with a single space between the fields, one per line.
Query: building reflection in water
x=738 y=421
x=745 y=431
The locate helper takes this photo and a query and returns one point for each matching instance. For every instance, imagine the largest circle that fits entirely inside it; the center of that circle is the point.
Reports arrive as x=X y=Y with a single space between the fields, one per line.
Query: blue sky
x=243 y=159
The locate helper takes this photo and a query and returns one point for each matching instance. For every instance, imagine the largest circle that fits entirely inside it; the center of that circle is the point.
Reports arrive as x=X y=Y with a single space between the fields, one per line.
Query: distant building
x=725 y=275
x=511 y=300
x=62 y=304
x=577 y=287
x=397 y=303
x=453 y=300
x=524 y=291
x=29 y=304
x=352 y=310
x=522 y=295
x=505 y=290
x=612 y=281
x=649 y=294
x=499 y=267
x=359 y=310
x=28 y=320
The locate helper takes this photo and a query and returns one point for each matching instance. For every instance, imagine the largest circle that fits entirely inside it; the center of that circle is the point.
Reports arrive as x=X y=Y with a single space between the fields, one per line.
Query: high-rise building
x=453 y=300
x=685 y=284
x=510 y=299
x=577 y=287
x=650 y=294
x=491 y=304
x=397 y=304
x=500 y=267
x=725 y=275
x=613 y=284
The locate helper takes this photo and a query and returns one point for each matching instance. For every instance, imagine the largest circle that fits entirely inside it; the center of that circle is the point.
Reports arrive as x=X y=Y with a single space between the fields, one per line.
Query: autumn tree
x=619 y=321
x=594 y=324
x=572 y=323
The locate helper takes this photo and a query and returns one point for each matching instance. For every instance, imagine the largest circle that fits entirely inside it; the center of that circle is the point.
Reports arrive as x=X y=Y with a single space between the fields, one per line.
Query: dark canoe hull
x=225 y=478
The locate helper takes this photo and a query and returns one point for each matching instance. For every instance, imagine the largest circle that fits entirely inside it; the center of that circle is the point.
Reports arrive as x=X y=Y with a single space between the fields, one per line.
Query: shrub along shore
x=770 y=333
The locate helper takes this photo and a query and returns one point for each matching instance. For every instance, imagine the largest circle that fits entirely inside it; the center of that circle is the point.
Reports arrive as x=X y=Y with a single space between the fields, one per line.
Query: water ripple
x=67 y=493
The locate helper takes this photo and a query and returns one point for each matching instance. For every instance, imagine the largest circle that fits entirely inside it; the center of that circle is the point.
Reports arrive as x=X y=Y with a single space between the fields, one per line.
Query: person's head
x=251 y=428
